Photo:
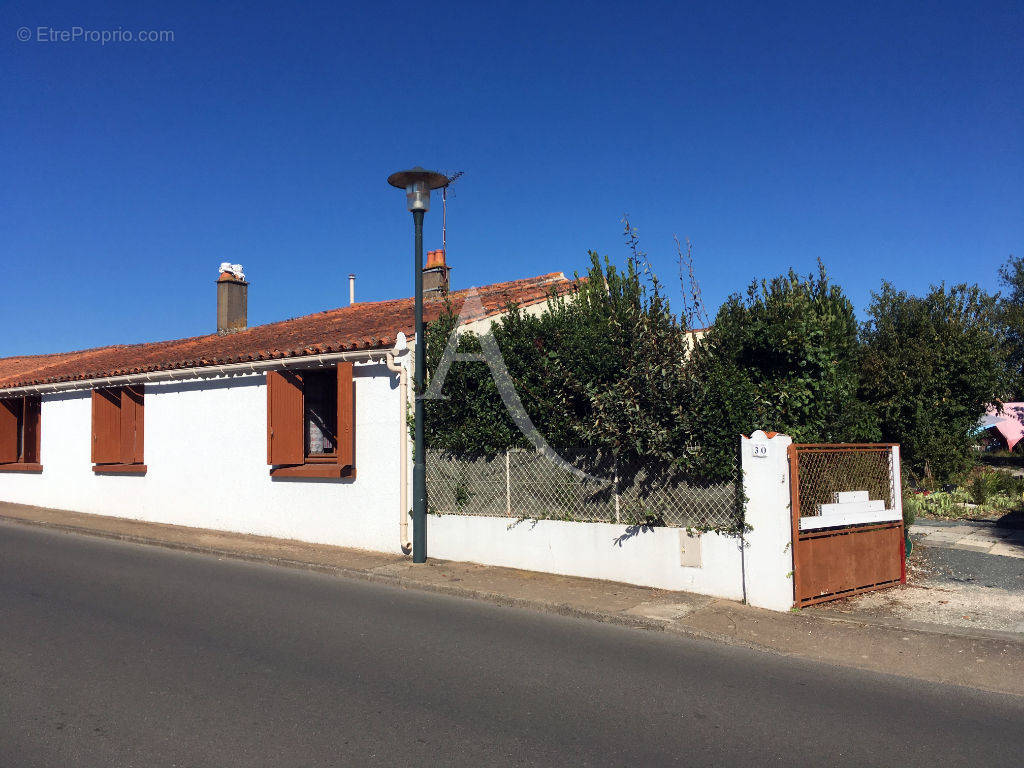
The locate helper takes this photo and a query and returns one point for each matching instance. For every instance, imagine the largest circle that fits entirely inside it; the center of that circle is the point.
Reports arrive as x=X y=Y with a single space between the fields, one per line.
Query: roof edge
x=379 y=343
x=166 y=375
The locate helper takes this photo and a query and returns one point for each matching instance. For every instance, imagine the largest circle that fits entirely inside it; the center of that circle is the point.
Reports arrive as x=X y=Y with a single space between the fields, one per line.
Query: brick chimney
x=232 y=299
x=435 y=274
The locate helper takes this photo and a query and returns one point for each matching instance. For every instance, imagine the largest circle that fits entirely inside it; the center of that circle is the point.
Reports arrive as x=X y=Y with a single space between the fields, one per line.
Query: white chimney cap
x=234 y=269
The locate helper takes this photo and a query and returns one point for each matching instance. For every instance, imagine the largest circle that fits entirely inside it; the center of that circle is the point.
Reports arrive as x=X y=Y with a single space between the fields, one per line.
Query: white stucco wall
x=206 y=453
x=650 y=557
x=769 y=553
x=483 y=325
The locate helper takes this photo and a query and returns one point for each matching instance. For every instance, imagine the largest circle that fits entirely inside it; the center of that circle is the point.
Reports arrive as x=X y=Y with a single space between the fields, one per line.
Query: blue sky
x=886 y=139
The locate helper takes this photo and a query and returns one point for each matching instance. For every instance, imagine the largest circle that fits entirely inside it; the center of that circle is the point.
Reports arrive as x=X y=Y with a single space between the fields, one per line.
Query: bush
x=601 y=373
x=932 y=367
x=1010 y=485
x=785 y=357
x=911 y=506
x=983 y=487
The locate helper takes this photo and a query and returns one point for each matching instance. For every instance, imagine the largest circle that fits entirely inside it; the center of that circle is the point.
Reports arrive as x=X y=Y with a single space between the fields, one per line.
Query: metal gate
x=847 y=517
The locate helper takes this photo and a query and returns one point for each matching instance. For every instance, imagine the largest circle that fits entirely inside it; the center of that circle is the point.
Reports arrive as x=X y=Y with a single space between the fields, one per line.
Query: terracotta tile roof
x=371 y=325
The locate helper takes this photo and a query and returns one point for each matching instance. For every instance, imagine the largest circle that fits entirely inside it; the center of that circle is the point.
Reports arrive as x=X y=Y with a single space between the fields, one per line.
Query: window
x=320 y=413
x=118 y=430
x=20 y=419
x=311 y=422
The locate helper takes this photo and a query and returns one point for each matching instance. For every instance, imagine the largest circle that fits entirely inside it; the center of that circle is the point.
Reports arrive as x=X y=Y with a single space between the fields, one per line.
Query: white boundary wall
x=206 y=453
x=650 y=557
x=758 y=567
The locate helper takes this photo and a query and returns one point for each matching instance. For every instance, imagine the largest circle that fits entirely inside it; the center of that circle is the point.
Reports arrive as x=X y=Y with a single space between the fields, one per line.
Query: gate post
x=768 y=572
x=896 y=476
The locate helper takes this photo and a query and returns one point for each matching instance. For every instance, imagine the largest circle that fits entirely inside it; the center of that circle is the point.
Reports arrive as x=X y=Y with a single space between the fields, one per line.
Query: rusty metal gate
x=847 y=517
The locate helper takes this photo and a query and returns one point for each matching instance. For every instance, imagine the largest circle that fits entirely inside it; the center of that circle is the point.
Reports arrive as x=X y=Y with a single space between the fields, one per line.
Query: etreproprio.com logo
x=77 y=34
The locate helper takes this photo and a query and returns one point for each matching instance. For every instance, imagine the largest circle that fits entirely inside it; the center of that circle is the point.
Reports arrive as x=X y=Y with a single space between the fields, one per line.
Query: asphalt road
x=115 y=654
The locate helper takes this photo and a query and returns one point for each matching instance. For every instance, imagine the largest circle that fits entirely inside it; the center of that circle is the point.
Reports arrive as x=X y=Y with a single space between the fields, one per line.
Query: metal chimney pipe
x=351 y=289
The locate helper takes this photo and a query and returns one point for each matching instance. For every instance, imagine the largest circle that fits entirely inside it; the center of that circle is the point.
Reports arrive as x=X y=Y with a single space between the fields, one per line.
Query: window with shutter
x=132 y=425
x=20 y=432
x=346 y=420
x=10 y=429
x=118 y=430
x=106 y=426
x=284 y=418
x=32 y=431
x=311 y=422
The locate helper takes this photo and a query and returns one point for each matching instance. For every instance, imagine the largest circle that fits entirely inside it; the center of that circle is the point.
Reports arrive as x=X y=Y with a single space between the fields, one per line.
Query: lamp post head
x=417 y=184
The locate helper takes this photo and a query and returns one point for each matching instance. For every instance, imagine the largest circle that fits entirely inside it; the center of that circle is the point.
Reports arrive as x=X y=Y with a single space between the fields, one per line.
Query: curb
x=943 y=630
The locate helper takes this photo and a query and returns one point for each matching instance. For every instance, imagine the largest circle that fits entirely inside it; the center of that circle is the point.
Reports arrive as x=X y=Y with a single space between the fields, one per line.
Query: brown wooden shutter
x=132 y=424
x=284 y=418
x=346 y=418
x=9 y=429
x=106 y=426
x=33 y=431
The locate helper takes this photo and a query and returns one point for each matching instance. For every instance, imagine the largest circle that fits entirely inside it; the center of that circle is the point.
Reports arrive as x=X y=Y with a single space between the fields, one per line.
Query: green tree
x=785 y=357
x=1011 y=321
x=600 y=372
x=932 y=366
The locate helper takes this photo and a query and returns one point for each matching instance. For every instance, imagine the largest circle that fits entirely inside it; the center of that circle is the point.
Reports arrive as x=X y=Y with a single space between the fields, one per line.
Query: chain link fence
x=523 y=484
x=823 y=471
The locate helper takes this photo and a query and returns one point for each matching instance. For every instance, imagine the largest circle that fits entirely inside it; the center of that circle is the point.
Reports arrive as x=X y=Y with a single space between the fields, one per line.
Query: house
x=296 y=429
x=693 y=338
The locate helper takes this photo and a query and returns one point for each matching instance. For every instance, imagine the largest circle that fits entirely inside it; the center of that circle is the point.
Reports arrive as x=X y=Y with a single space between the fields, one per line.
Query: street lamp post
x=417 y=184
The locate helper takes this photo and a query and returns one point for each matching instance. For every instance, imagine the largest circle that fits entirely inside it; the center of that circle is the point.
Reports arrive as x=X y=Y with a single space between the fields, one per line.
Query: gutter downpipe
x=403 y=451
x=198 y=372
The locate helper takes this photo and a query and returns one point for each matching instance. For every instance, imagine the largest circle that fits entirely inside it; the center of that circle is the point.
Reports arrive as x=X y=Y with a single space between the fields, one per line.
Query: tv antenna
x=452 y=178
